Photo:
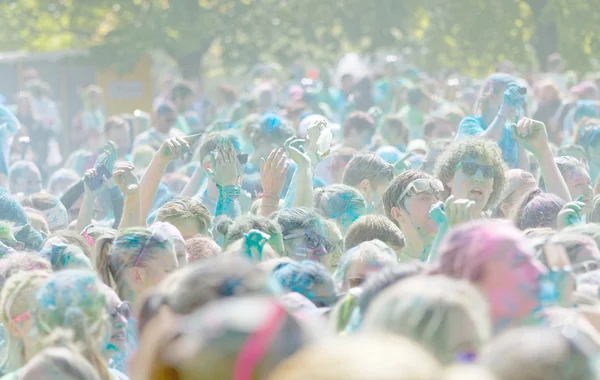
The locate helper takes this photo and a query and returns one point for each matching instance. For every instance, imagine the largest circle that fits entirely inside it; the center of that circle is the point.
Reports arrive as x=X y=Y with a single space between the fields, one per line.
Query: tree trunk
x=189 y=64
x=545 y=40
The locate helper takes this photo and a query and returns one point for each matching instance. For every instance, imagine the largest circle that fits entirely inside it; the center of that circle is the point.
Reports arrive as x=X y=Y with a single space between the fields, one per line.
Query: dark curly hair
x=476 y=147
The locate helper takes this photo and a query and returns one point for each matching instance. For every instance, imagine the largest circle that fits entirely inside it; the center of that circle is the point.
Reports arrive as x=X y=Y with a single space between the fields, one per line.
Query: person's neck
x=128 y=293
x=162 y=131
x=350 y=143
x=417 y=245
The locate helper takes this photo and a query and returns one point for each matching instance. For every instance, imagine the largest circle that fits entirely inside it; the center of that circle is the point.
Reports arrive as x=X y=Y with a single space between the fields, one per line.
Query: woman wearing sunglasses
x=119 y=313
x=407 y=202
x=473 y=170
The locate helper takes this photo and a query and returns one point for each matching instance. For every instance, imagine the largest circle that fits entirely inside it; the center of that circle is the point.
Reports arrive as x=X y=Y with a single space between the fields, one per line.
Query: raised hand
x=458 y=210
x=531 y=135
x=293 y=148
x=176 y=147
x=124 y=178
x=93 y=182
x=273 y=172
x=226 y=169
x=570 y=214
x=319 y=141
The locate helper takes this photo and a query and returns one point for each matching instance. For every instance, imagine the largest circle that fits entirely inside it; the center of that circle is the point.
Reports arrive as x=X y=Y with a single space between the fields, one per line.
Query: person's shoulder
x=471 y=126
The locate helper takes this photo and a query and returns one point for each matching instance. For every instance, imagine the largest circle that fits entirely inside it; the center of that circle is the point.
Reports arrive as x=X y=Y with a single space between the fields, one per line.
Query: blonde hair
x=126 y=252
x=467 y=372
x=61 y=354
x=375 y=253
x=185 y=208
x=73 y=300
x=360 y=357
x=15 y=302
x=537 y=353
x=442 y=313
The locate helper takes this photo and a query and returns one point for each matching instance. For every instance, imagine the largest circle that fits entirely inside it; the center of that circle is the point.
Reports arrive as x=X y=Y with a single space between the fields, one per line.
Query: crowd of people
x=393 y=225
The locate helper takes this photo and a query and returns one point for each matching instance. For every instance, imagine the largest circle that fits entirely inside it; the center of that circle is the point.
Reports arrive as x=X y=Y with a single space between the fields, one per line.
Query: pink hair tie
x=89 y=239
x=257 y=344
x=22 y=317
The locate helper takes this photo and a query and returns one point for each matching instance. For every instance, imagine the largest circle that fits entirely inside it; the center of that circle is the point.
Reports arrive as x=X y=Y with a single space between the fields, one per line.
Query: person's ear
x=398 y=213
x=364 y=186
x=505 y=208
x=14 y=329
x=138 y=275
x=206 y=164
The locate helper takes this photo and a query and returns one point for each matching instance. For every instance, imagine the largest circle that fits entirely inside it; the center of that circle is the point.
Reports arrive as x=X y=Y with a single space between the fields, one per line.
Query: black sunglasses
x=471 y=168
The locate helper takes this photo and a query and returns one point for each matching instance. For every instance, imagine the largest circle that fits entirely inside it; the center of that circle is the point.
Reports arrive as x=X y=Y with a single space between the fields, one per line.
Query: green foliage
x=467 y=35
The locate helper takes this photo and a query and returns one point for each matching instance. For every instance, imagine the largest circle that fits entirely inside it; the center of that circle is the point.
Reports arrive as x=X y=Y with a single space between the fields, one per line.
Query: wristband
x=267 y=195
x=229 y=190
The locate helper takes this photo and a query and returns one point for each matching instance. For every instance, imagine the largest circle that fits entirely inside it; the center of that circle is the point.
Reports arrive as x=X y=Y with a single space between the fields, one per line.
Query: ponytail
x=102 y=256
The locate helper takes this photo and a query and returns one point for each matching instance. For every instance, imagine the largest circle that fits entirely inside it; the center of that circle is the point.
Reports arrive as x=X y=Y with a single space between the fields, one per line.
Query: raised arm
x=170 y=150
x=273 y=173
x=127 y=182
x=226 y=173
x=532 y=135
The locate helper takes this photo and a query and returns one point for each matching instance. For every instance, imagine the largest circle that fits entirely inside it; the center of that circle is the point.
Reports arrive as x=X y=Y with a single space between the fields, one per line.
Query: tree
x=467 y=35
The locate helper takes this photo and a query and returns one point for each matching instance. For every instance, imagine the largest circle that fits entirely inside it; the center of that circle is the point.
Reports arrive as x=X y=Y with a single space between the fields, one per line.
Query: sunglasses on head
x=422 y=185
x=471 y=168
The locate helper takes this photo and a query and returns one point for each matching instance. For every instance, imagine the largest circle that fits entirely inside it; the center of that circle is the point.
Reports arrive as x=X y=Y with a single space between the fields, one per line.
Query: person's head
x=118 y=131
x=182 y=96
x=308 y=278
x=235 y=230
x=211 y=279
x=270 y=133
x=536 y=209
x=338 y=162
x=359 y=262
x=69 y=237
x=119 y=313
x=347 y=83
x=187 y=214
x=360 y=357
x=541 y=353
x=579 y=247
x=51 y=207
x=200 y=248
x=59 y=363
x=226 y=95
x=342 y=203
x=417 y=97
x=24 y=103
x=73 y=300
x=519 y=183
x=438 y=127
x=61 y=180
x=37 y=220
x=547 y=91
x=436 y=147
x=137 y=260
x=21 y=262
x=63 y=256
x=394 y=131
x=216 y=139
x=165 y=117
x=575 y=174
x=196 y=349
x=449 y=317
x=474 y=170
x=372 y=227
x=383 y=279
x=500 y=261
x=304 y=235
x=407 y=202
x=370 y=174
x=142 y=155
x=175 y=236
x=15 y=299
x=491 y=95
x=25 y=178
x=359 y=129
x=93 y=97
